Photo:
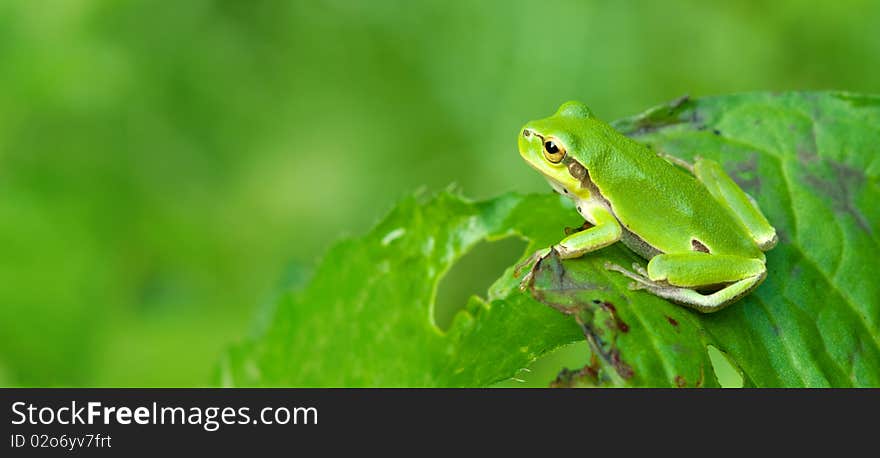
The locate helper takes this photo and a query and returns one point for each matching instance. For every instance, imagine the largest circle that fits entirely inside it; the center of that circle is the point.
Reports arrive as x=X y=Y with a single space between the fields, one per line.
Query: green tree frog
x=703 y=236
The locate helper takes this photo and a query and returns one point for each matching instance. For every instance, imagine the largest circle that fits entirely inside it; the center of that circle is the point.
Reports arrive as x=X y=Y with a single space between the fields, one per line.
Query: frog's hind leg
x=677 y=277
x=742 y=205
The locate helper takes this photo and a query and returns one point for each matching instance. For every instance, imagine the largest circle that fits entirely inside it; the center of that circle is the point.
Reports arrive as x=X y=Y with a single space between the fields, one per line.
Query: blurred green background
x=167 y=168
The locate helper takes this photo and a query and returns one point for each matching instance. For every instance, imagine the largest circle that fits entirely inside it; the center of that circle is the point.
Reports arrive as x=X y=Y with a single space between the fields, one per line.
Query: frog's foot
x=710 y=302
x=640 y=276
x=532 y=260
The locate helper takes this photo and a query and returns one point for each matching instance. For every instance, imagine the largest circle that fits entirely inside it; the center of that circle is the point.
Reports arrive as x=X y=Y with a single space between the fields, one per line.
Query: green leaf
x=812 y=162
x=810 y=159
x=365 y=319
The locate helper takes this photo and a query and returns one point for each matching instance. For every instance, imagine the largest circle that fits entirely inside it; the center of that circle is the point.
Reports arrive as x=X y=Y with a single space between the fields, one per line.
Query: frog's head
x=560 y=147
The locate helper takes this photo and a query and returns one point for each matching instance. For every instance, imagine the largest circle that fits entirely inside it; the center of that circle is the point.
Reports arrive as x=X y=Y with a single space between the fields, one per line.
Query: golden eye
x=553 y=151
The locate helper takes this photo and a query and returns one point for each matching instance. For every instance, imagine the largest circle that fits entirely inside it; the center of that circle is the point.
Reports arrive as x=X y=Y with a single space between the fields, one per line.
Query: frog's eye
x=554 y=152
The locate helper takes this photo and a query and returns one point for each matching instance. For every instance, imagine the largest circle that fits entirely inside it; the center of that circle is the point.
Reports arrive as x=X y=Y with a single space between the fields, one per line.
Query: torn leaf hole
x=725 y=370
x=472 y=275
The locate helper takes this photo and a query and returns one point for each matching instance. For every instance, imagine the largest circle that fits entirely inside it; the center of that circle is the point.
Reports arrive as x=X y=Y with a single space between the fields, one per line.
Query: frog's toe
x=641 y=278
x=617 y=268
x=635 y=286
x=641 y=270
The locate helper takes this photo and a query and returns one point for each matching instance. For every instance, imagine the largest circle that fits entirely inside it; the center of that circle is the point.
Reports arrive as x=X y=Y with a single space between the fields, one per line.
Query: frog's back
x=669 y=197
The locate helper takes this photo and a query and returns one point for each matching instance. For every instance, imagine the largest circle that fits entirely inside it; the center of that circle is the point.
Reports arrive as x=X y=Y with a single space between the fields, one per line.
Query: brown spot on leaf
x=806 y=155
x=841 y=189
x=566 y=378
x=806 y=148
x=782 y=236
x=550 y=284
x=745 y=174
x=598 y=319
x=618 y=323
x=587 y=375
x=700 y=380
x=623 y=369
x=680 y=381
x=603 y=338
x=672 y=321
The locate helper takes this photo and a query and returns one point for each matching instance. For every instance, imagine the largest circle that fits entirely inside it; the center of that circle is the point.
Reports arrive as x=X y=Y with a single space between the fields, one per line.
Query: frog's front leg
x=606 y=230
x=677 y=277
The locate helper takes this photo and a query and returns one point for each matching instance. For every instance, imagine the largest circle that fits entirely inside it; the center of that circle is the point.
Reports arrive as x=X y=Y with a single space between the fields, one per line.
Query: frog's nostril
x=527 y=133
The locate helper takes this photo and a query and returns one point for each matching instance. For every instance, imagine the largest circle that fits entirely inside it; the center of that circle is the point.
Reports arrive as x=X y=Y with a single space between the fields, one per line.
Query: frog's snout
x=530 y=143
x=528 y=138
